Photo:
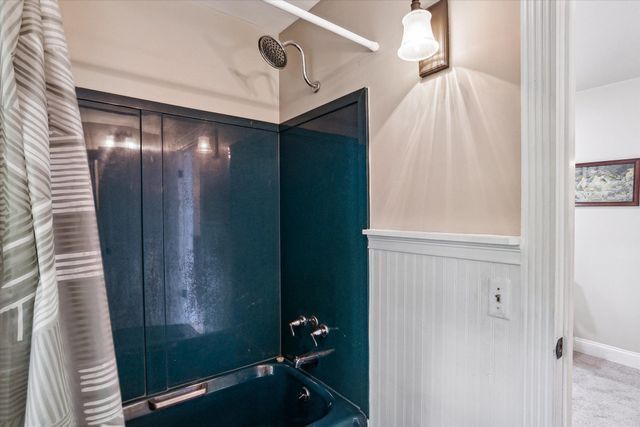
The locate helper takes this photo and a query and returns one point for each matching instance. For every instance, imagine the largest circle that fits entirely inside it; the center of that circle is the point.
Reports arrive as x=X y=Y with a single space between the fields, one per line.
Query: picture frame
x=608 y=183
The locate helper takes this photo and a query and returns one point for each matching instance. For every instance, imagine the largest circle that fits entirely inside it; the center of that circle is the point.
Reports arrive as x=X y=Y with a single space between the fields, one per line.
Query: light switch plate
x=499 y=298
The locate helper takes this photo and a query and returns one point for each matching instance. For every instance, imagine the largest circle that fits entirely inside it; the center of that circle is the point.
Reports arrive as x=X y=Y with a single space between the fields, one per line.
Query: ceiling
x=607 y=42
x=260 y=14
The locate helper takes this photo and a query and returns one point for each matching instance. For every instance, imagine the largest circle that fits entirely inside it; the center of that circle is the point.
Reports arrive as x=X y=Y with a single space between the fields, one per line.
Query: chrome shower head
x=274 y=53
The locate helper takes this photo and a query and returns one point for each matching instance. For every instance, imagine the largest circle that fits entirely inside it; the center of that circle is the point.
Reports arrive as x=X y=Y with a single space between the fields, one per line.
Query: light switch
x=499 y=298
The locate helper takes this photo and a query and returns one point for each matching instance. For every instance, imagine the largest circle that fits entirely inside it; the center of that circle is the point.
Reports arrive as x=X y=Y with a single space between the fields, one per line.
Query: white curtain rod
x=330 y=26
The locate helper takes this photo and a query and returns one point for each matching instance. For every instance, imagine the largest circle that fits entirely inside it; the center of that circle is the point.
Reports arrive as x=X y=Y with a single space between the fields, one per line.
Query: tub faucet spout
x=311 y=358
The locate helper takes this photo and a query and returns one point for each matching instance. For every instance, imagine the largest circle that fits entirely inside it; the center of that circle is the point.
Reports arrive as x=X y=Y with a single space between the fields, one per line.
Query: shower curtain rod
x=330 y=26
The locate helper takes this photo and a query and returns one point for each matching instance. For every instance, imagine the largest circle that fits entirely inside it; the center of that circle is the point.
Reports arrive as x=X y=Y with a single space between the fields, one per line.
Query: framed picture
x=610 y=183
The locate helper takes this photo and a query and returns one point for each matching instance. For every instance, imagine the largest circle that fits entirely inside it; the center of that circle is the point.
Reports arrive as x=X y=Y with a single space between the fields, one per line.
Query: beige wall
x=444 y=151
x=177 y=52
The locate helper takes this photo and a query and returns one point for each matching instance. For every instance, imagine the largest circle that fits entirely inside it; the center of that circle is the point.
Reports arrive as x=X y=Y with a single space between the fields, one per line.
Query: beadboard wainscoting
x=436 y=356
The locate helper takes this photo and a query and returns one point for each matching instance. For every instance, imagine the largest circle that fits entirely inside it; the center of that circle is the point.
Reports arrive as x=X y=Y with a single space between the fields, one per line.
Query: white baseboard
x=607 y=352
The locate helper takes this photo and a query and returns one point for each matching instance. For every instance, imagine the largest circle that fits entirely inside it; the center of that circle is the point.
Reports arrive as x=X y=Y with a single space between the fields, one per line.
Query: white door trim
x=548 y=91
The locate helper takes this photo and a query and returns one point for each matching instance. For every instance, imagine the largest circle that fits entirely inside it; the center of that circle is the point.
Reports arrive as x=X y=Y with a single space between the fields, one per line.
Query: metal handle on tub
x=179 y=396
x=320 y=332
x=302 y=321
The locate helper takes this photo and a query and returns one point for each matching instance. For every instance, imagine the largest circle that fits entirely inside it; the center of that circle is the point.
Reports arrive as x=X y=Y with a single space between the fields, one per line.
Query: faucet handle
x=302 y=321
x=320 y=332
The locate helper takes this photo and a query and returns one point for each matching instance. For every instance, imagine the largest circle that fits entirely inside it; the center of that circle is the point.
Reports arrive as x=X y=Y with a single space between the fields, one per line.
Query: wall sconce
x=426 y=37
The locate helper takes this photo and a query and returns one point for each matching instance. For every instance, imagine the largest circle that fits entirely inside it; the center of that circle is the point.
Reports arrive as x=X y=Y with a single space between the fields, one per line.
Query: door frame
x=548 y=165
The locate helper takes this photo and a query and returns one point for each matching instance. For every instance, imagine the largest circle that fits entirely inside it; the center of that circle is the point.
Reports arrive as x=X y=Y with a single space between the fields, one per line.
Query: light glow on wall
x=204 y=144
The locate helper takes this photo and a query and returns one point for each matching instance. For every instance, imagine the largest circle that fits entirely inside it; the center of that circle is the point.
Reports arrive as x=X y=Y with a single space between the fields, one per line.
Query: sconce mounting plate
x=440 y=25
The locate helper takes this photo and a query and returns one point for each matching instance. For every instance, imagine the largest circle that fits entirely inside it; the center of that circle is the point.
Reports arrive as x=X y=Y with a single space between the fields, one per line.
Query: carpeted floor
x=605 y=394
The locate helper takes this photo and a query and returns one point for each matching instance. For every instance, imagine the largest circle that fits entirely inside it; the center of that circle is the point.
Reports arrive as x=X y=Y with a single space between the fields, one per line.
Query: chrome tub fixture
x=304 y=395
x=311 y=358
x=320 y=332
x=303 y=321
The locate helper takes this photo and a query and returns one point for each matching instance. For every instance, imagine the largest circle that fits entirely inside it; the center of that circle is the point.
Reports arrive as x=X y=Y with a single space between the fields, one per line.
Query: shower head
x=274 y=53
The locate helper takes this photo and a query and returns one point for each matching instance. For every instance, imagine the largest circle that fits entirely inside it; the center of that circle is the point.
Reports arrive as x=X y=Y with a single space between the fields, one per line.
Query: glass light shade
x=418 y=42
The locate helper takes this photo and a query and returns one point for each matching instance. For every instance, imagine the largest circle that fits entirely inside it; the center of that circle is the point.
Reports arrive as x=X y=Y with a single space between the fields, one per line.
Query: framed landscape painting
x=610 y=183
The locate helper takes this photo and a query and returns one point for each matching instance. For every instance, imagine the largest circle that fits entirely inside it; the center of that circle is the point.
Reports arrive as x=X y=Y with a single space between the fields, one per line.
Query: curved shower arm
x=314 y=85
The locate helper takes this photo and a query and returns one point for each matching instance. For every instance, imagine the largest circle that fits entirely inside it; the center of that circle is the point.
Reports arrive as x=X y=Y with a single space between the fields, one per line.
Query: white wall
x=607 y=257
x=445 y=150
x=177 y=52
x=436 y=357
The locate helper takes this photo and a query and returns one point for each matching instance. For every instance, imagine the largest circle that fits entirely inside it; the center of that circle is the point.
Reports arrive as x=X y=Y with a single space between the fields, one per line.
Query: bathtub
x=264 y=395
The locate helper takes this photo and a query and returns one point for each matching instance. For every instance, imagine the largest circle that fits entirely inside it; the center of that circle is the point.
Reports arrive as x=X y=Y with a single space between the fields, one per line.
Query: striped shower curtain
x=57 y=362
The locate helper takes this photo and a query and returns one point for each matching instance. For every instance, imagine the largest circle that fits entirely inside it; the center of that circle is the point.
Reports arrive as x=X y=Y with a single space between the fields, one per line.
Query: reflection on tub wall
x=113 y=142
x=221 y=247
x=198 y=202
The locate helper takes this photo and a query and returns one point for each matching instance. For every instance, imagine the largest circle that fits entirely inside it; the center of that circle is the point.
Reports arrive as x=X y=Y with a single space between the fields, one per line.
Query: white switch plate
x=499 y=298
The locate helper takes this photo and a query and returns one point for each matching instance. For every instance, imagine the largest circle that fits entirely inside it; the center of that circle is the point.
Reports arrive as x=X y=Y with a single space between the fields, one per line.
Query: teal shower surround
x=323 y=199
x=211 y=249
x=221 y=239
x=190 y=237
